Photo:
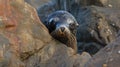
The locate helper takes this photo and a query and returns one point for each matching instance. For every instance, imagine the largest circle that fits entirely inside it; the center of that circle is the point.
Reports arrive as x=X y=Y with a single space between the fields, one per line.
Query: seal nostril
x=62 y=29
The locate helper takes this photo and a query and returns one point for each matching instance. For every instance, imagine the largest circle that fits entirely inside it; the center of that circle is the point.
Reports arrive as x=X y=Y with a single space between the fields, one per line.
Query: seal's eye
x=72 y=26
x=52 y=24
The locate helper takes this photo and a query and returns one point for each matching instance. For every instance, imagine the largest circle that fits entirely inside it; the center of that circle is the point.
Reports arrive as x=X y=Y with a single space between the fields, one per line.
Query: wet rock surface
x=25 y=41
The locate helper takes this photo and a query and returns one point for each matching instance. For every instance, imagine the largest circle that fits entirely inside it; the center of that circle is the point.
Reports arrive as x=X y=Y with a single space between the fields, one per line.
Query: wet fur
x=68 y=36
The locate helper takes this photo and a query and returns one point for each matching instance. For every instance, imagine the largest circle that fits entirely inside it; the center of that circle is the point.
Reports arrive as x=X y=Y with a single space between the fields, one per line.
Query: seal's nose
x=62 y=29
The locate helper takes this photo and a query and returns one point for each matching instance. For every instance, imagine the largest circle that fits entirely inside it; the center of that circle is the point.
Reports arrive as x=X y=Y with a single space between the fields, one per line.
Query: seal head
x=62 y=26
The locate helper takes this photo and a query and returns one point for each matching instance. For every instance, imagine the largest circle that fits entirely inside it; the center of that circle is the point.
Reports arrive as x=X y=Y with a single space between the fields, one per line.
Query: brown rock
x=25 y=41
x=102 y=3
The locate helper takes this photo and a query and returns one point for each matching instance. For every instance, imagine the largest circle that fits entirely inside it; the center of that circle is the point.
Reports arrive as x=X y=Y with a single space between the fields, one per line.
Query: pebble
x=119 y=51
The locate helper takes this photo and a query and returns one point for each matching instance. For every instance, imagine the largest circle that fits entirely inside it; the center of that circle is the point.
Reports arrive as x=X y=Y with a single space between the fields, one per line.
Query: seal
x=62 y=26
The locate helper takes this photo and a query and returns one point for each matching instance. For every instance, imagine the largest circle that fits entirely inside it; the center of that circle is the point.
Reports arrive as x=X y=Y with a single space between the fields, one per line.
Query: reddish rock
x=25 y=41
x=20 y=32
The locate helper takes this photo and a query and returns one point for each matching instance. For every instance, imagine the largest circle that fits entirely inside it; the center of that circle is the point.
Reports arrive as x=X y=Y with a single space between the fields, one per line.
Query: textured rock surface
x=37 y=3
x=102 y=3
x=98 y=27
x=107 y=57
x=25 y=41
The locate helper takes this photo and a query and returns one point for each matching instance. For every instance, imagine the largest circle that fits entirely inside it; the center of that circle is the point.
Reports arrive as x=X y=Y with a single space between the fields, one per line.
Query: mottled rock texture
x=107 y=57
x=98 y=27
x=25 y=41
x=37 y=3
x=102 y=3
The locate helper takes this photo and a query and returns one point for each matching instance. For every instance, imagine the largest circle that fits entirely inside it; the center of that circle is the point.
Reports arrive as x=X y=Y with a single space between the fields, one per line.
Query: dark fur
x=62 y=19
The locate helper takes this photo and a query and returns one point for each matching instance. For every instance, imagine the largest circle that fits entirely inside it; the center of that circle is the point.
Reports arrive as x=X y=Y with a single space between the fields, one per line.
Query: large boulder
x=108 y=56
x=25 y=41
x=98 y=27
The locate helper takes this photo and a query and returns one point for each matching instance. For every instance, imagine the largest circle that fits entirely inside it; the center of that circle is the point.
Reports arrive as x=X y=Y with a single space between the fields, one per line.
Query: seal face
x=62 y=26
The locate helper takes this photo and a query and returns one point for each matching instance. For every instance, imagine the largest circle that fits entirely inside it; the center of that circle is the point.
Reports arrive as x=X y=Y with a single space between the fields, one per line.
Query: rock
x=36 y=3
x=111 y=3
x=91 y=2
x=98 y=27
x=107 y=57
x=25 y=41
x=101 y=3
x=53 y=56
